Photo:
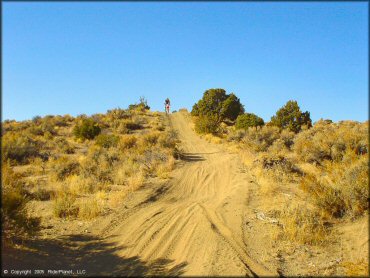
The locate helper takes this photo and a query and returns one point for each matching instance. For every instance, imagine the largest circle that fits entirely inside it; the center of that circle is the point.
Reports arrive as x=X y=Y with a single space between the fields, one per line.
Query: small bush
x=131 y=125
x=127 y=142
x=106 y=140
x=236 y=135
x=304 y=225
x=19 y=147
x=207 y=124
x=135 y=181
x=118 y=114
x=290 y=116
x=87 y=129
x=141 y=106
x=261 y=139
x=89 y=208
x=168 y=140
x=247 y=120
x=63 y=167
x=79 y=185
x=63 y=146
x=150 y=139
x=64 y=205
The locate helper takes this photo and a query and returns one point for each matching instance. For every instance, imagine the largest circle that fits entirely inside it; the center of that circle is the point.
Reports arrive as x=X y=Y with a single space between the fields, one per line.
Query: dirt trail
x=195 y=219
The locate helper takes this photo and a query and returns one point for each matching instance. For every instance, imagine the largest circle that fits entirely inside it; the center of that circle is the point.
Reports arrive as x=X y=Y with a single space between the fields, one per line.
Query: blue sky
x=76 y=58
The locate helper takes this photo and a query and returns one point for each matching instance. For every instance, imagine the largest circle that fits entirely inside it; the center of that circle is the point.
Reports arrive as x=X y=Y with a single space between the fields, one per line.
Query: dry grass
x=90 y=208
x=64 y=205
x=117 y=198
x=135 y=181
x=357 y=268
x=78 y=175
x=329 y=162
x=304 y=225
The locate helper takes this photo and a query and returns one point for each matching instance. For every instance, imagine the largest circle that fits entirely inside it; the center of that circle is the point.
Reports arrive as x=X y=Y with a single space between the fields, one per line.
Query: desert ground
x=209 y=217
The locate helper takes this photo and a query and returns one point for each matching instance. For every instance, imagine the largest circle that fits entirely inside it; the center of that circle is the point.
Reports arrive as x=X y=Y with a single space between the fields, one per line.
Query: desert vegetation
x=80 y=167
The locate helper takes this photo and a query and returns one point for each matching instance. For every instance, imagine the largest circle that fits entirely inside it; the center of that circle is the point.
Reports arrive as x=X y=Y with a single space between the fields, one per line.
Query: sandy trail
x=196 y=219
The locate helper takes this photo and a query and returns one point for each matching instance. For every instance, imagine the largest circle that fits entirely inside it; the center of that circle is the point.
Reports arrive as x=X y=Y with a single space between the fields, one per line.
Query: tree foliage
x=248 y=120
x=217 y=104
x=290 y=116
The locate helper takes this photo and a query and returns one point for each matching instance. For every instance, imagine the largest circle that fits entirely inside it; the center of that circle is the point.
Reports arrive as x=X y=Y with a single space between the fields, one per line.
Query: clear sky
x=86 y=58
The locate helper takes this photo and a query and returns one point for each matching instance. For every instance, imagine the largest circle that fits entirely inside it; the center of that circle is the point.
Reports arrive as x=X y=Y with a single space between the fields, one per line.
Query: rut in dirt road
x=197 y=217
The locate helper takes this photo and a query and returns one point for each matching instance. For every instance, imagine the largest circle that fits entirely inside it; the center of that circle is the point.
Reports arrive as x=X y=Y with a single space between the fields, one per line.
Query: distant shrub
x=64 y=146
x=261 y=139
x=87 y=129
x=35 y=130
x=207 y=124
x=48 y=126
x=36 y=119
x=218 y=106
x=150 y=139
x=141 y=106
x=106 y=140
x=63 y=167
x=236 y=135
x=131 y=125
x=19 y=147
x=127 y=142
x=290 y=116
x=118 y=114
x=247 y=120
x=168 y=140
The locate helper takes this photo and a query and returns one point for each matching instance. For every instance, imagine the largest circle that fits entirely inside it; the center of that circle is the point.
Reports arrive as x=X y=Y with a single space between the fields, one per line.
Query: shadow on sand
x=84 y=252
x=191 y=157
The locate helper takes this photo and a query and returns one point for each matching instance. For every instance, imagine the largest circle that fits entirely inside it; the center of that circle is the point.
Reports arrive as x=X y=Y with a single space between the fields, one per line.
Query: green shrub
x=218 y=106
x=290 y=116
x=247 y=120
x=106 y=140
x=86 y=129
x=207 y=124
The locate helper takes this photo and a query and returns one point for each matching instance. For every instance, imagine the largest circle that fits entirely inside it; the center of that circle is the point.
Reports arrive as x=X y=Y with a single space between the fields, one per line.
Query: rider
x=167 y=104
